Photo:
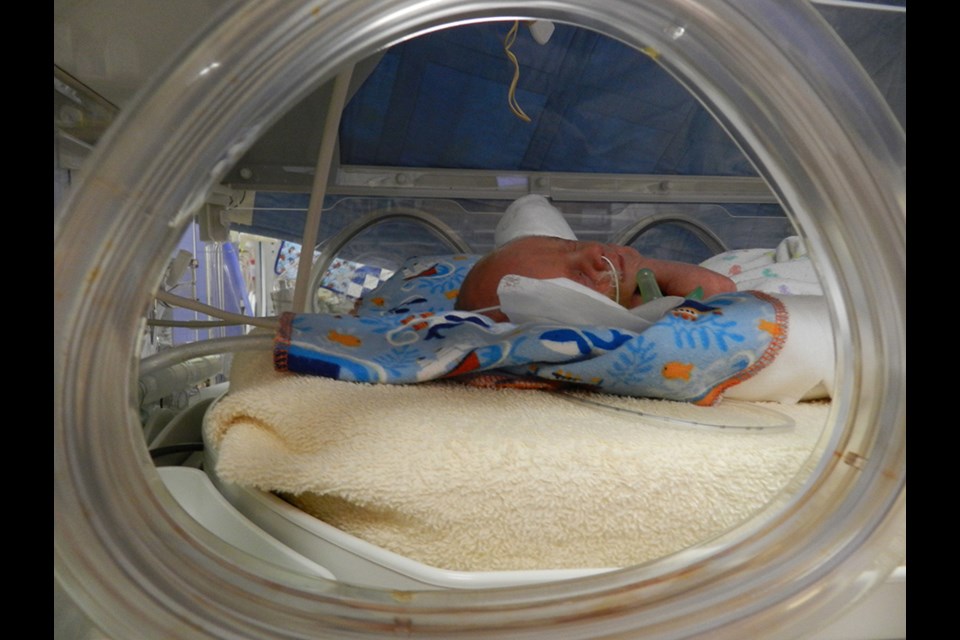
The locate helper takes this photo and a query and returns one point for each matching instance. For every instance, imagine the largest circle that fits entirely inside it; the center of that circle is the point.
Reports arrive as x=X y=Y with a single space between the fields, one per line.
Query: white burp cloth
x=565 y=302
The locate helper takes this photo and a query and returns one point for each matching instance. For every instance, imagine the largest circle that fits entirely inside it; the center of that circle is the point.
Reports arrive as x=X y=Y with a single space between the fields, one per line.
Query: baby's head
x=533 y=240
x=606 y=268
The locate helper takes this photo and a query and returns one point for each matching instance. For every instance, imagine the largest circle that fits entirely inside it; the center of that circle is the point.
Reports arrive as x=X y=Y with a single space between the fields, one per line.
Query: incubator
x=347 y=140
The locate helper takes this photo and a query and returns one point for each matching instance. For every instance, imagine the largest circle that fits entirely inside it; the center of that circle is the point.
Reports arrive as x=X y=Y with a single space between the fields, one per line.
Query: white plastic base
x=198 y=497
x=358 y=562
x=274 y=530
x=883 y=614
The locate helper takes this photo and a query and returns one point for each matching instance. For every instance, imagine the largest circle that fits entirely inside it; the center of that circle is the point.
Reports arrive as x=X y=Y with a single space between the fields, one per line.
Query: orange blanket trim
x=766 y=358
x=281 y=342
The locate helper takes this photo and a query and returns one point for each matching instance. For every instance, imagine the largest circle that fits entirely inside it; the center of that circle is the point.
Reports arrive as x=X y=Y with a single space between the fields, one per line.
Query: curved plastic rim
x=339 y=241
x=786 y=90
x=703 y=233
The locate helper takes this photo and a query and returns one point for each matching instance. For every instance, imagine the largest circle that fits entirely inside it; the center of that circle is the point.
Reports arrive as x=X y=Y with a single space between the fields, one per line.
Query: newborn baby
x=608 y=269
x=534 y=241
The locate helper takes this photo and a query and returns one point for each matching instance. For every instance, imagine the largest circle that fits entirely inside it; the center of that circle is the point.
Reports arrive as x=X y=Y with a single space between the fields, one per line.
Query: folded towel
x=475 y=479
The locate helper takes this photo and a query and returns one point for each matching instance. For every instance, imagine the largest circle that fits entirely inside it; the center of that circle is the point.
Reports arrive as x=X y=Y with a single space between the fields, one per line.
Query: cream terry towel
x=477 y=480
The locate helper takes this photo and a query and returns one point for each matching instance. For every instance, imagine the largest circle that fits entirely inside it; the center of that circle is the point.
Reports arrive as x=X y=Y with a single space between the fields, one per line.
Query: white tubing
x=338 y=98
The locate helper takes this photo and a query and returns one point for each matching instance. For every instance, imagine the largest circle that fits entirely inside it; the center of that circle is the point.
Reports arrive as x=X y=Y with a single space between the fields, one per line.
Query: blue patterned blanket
x=406 y=331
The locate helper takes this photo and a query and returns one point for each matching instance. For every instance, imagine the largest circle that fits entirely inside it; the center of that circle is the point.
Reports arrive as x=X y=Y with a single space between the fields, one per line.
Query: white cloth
x=785 y=270
x=805 y=368
x=563 y=301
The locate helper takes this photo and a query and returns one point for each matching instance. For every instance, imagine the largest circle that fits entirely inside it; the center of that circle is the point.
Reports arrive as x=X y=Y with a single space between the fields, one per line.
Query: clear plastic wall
x=792 y=98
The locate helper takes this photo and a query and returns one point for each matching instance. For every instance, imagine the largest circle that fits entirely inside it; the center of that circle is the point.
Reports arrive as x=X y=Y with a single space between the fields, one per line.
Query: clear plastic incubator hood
x=774 y=76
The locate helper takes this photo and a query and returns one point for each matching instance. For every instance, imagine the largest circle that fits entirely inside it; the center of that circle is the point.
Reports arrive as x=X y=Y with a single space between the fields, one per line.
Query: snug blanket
x=693 y=354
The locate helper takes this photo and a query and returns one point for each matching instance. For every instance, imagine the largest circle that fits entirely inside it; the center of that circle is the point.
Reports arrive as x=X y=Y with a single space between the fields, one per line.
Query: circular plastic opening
x=788 y=93
x=374 y=239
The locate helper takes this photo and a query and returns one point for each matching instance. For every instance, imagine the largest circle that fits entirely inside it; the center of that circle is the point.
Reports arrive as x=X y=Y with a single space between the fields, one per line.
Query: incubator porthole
x=846 y=198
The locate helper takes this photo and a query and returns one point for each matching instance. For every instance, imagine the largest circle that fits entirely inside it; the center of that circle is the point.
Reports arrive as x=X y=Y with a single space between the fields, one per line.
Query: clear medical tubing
x=787 y=91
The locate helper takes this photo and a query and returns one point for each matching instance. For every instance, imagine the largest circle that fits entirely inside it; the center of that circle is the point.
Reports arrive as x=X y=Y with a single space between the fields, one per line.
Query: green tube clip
x=647 y=284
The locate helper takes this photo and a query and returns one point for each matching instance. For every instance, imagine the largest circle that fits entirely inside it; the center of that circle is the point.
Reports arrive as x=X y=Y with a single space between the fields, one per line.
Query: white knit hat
x=531 y=215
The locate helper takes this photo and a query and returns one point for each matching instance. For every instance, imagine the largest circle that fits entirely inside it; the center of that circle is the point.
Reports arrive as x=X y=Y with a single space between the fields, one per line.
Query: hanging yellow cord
x=511 y=95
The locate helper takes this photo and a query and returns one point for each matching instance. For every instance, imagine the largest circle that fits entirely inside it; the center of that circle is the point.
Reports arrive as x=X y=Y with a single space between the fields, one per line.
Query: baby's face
x=592 y=264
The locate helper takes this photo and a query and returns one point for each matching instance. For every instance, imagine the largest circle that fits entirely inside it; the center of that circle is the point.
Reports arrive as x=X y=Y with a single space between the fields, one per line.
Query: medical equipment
x=848 y=198
x=647 y=283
